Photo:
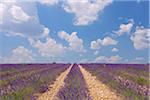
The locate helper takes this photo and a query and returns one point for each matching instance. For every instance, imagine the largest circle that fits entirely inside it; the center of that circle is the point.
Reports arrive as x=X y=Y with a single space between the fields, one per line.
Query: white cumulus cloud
x=125 y=28
x=49 y=48
x=114 y=59
x=115 y=50
x=141 y=38
x=108 y=41
x=96 y=44
x=18 y=14
x=48 y=2
x=85 y=11
x=104 y=59
x=46 y=32
x=19 y=55
x=75 y=43
x=137 y=60
x=20 y=18
x=2 y=11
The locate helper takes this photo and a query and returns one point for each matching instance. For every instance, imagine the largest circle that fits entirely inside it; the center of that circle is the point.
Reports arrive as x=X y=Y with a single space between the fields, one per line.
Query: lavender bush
x=33 y=81
x=75 y=86
x=131 y=80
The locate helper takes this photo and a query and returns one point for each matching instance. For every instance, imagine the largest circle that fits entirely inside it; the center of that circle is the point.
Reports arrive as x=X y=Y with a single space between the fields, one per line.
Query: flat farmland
x=74 y=81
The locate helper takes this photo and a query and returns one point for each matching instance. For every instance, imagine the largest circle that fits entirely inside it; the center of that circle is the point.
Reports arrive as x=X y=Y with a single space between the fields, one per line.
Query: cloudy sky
x=42 y=31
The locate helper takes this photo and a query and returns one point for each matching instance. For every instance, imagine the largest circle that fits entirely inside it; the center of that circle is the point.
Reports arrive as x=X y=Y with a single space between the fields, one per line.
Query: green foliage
x=128 y=93
x=3 y=82
x=113 y=84
x=137 y=79
x=142 y=81
x=7 y=81
x=19 y=95
x=131 y=95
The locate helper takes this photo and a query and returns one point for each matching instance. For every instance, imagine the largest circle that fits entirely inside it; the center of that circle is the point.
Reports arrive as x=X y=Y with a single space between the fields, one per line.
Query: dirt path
x=54 y=88
x=97 y=89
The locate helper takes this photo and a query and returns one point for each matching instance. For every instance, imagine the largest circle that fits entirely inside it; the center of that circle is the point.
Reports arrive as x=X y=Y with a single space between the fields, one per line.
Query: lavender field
x=74 y=49
x=74 y=82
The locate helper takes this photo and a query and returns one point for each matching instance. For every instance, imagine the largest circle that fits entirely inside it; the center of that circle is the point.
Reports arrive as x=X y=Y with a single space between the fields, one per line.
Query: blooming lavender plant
x=34 y=81
x=131 y=80
x=75 y=86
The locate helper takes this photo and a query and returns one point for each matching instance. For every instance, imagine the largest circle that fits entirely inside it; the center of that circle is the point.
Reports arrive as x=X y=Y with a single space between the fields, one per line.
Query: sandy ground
x=98 y=90
x=54 y=88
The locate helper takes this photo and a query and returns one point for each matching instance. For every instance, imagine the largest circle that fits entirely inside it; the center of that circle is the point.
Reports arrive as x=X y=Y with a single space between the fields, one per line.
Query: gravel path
x=54 y=88
x=97 y=89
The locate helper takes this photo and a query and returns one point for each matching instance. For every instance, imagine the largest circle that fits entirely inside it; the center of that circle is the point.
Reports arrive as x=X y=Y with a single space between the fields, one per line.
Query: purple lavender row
x=8 y=70
x=36 y=82
x=75 y=86
x=134 y=69
x=122 y=78
x=48 y=78
x=8 y=80
x=21 y=81
x=23 y=69
x=23 y=76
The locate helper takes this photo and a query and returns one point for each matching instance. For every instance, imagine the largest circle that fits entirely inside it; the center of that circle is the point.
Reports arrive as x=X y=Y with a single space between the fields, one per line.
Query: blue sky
x=44 y=31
